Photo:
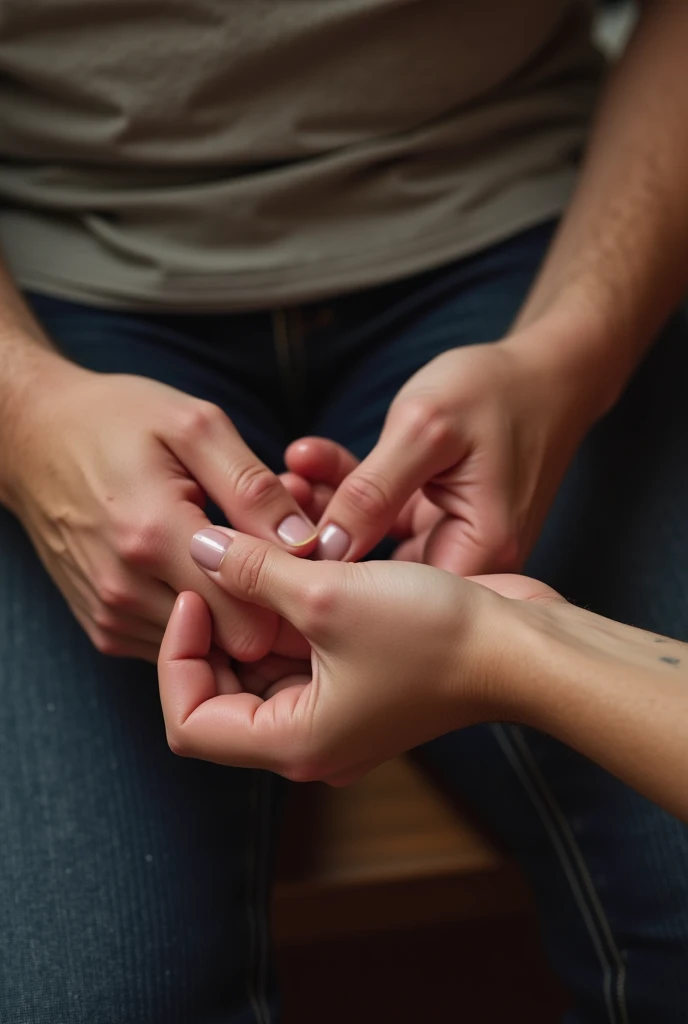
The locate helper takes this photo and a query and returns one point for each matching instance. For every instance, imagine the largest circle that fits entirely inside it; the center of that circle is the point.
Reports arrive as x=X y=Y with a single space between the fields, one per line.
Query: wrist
x=489 y=678
x=36 y=372
x=550 y=659
x=575 y=354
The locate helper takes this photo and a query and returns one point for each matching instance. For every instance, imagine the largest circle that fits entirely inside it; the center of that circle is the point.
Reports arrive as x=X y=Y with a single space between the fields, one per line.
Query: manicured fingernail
x=209 y=547
x=296 y=531
x=333 y=543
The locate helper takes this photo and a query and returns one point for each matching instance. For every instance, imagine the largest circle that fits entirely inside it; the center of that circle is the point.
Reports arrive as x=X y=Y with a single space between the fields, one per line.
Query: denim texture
x=134 y=885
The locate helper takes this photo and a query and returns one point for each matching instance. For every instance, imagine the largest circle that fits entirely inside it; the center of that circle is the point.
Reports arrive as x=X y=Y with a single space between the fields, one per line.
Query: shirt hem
x=301 y=284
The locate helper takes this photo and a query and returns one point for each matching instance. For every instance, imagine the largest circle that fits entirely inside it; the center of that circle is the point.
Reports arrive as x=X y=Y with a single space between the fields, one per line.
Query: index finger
x=366 y=505
x=248 y=492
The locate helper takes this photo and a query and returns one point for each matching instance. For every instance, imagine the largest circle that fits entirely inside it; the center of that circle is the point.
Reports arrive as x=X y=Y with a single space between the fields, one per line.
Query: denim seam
x=256 y=937
x=602 y=918
x=522 y=761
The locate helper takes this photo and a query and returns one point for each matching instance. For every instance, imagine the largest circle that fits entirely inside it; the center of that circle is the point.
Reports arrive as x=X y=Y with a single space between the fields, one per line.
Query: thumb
x=256 y=571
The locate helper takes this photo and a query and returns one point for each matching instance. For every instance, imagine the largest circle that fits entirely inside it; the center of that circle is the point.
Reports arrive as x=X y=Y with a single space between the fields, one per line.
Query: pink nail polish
x=333 y=543
x=295 y=531
x=209 y=547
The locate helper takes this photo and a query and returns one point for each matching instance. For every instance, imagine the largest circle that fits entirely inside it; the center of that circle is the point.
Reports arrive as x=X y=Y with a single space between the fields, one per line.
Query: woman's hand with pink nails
x=399 y=653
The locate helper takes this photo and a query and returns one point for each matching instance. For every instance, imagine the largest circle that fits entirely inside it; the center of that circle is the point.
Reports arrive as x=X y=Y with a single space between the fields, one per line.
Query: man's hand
x=488 y=431
x=400 y=653
x=485 y=433
x=109 y=475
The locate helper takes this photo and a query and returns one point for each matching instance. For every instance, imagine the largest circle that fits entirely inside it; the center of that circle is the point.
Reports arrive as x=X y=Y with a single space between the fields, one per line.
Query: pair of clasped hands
x=291 y=655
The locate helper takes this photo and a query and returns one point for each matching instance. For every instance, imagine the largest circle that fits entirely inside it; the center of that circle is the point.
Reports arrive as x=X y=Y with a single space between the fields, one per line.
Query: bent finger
x=248 y=492
x=370 y=499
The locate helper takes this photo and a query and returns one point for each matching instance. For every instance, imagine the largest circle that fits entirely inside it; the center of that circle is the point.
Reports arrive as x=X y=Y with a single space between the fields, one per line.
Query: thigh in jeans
x=609 y=869
x=133 y=884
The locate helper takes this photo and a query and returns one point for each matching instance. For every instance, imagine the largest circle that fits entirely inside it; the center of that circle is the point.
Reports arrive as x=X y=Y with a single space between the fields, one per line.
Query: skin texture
x=401 y=653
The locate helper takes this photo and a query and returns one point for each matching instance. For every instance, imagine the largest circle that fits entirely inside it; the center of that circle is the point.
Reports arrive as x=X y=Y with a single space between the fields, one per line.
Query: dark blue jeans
x=133 y=884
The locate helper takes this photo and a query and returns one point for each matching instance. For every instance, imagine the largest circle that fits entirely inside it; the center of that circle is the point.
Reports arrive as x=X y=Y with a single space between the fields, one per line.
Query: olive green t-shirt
x=224 y=154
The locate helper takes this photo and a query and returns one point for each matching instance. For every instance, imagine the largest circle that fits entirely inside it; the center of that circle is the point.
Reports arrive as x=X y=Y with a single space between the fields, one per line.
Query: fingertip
x=188 y=603
x=333 y=544
x=303 y=457
x=209 y=546
x=320 y=459
x=297 y=534
x=302 y=444
x=189 y=630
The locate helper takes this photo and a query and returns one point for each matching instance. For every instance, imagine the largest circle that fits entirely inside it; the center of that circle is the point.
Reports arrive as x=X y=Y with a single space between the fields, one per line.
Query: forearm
x=618 y=264
x=617 y=694
x=25 y=354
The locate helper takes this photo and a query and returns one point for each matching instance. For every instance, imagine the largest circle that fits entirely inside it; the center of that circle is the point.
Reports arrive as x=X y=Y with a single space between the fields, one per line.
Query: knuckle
x=367 y=493
x=254 y=485
x=319 y=603
x=248 y=646
x=198 y=418
x=114 y=595
x=105 y=642
x=105 y=620
x=426 y=424
x=251 y=571
x=139 y=545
